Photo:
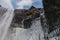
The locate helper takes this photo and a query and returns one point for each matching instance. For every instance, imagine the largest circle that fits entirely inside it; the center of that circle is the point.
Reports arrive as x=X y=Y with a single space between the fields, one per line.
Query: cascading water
x=34 y=33
x=5 y=21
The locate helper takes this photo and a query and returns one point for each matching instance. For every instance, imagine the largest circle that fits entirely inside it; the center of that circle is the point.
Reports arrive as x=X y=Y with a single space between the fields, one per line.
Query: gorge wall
x=52 y=14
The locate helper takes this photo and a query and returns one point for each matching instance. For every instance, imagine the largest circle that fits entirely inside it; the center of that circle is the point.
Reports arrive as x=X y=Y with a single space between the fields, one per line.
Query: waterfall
x=37 y=32
x=5 y=21
x=34 y=33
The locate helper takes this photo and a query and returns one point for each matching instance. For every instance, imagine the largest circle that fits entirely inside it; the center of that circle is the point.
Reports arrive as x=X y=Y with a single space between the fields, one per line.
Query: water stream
x=5 y=22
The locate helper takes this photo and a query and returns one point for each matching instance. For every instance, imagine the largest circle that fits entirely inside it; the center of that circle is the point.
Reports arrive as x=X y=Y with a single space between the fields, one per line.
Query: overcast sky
x=21 y=4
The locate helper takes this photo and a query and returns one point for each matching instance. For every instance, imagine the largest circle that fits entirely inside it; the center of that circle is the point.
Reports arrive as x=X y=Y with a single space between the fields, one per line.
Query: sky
x=21 y=4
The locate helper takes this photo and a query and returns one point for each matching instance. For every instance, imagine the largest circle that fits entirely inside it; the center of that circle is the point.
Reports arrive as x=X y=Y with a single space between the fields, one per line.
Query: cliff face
x=25 y=17
x=52 y=13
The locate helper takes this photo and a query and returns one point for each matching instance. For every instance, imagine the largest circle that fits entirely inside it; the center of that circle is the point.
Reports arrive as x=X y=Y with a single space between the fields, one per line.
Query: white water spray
x=5 y=22
x=34 y=33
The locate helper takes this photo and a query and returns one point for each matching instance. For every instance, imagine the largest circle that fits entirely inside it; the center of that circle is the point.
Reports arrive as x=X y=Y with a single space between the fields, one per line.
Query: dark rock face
x=52 y=13
x=27 y=23
x=26 y=16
